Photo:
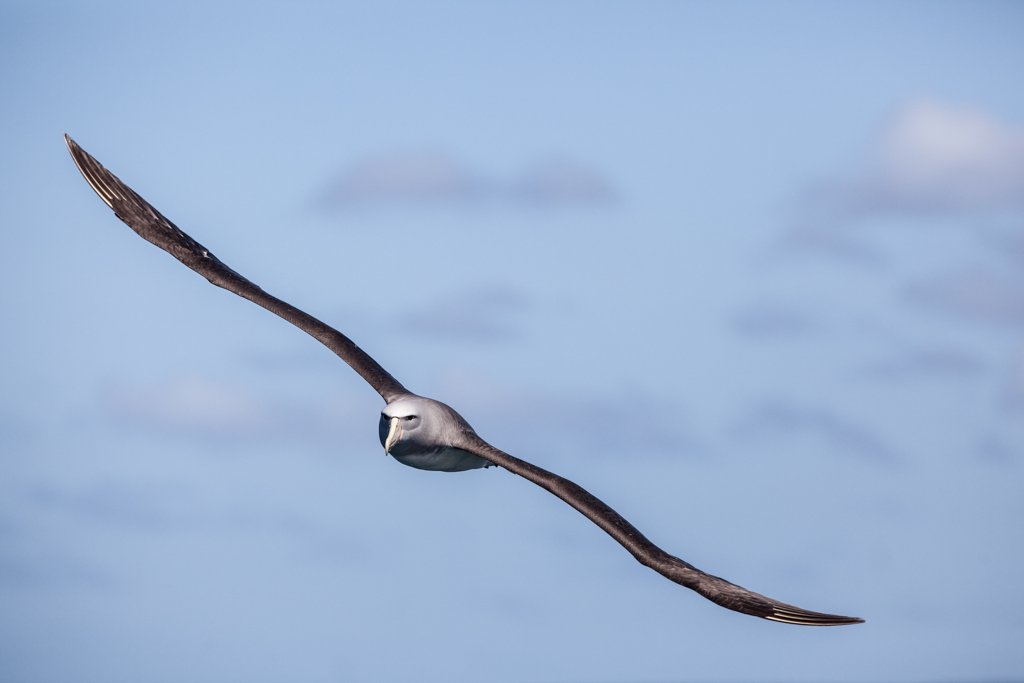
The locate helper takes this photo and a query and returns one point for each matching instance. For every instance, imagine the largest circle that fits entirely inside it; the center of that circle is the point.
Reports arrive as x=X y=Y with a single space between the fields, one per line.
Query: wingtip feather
x=84 y=162
x=808 y=618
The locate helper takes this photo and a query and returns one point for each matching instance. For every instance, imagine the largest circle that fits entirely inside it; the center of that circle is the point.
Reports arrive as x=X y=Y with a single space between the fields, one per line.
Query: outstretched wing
x=151 y=225
x=717 y=590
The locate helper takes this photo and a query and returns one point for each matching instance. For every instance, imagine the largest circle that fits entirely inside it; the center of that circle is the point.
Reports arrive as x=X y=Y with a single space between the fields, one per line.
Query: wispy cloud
x=204 y=408
x=933 y=156
x=933 y=163
x=937 y=156
x=818 y=231
x=1013 y=391
x=773 y=320
x=435 y=178
x=133 y=506
x=974 y=294
x=14 y=431
x=929 y=158
x=41 y=570
x=189 y=404
x=777 y=419
x=624 y=424
x=627 y=424
x=921 y=362
x=563 y=181
x=481 y=315
x=29 y=560
x=997 y=450
x=1008 y=241
x=406 y=178
x=146 y=508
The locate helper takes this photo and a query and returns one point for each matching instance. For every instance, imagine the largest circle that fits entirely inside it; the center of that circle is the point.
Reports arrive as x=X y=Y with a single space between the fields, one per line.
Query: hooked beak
x=394 y=435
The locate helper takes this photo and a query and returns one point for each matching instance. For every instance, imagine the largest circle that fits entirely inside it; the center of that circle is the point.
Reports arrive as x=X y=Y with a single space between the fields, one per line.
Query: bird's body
x=424 y=433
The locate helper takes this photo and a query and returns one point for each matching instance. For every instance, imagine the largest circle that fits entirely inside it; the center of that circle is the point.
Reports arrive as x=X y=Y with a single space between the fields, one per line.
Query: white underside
x=448 y=460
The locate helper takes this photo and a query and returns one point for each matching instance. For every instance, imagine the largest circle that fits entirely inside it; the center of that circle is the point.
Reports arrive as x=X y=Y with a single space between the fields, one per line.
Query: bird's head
x=404 y=424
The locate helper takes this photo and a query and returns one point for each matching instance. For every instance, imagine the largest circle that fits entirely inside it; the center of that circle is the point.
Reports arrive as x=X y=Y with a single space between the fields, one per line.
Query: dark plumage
x=419 y=431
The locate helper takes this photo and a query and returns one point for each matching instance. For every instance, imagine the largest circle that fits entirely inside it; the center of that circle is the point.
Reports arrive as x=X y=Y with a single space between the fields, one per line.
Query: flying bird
x=421 y=432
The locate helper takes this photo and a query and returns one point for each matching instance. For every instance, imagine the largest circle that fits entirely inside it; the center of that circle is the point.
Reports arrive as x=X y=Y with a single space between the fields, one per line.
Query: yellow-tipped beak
x=394 y=435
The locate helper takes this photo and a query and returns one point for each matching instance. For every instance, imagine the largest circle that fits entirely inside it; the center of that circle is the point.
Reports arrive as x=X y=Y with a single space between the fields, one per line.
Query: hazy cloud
x=760 y=321
x=15 y=431
x=26 y=561
x=780 y=419
x=148 y=508
x=934 y=156
x=207 y=409
x=939 y=156
x=320 y=542
x=418 y=178
x=481 y=315
x=41 y=570
x=817 y=233
x=930 y=157
x=563 y=182
x=628 y=424
x=191 y=404
x=1013 y=391
x=927 y=362
x=406 y=178
x=997 y=451
x=973 y=294
x=134 y=506
x=1008 y=242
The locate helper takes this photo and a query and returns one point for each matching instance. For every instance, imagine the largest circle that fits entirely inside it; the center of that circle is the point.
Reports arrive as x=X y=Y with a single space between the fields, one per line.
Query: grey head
x=426 y=434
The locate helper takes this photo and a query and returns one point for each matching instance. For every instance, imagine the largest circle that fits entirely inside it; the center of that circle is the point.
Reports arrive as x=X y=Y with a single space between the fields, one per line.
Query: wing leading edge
x=153 y=227
x=717 y=590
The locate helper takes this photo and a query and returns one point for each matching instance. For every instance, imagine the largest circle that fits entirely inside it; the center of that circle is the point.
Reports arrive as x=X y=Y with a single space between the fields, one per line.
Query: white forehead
x=402 y=408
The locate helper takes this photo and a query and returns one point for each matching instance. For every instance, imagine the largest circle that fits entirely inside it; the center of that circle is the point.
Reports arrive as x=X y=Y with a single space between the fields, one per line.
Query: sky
x=751 y=273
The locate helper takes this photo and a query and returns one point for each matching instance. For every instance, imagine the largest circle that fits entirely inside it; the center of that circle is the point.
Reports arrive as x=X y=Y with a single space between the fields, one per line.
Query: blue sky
x=752 y=273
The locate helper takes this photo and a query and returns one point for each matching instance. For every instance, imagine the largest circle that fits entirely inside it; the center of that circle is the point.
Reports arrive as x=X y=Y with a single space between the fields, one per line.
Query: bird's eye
x=410 y=417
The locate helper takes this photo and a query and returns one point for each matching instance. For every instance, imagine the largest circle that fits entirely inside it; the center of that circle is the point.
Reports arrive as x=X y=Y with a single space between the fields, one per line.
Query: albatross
x=421 y=432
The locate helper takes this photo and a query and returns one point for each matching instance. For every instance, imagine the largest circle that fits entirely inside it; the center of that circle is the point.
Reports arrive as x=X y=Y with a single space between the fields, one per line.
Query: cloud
x=322 y=543
x=40 y=570
x=148 y=508
x=1008 y=242
x=1013 y=392
x=406 y=178
x=932 y=156
x=141 y=508
x=927 y=362
x=425 y=178
x=995 y=450
x=478 y=316
x=818 y=234
x=772 y=321
x=562 y=182
x=190 y=404
x=977 y=295
x=27 y=560
x=938 y=156
x=780 y=419
x=628 y=424
x=202 y=408
x=15 y=432
x=625 y=424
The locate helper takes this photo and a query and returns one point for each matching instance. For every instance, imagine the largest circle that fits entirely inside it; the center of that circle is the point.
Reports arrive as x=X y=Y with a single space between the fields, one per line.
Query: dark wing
x=717 y=590
x=151 y=225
